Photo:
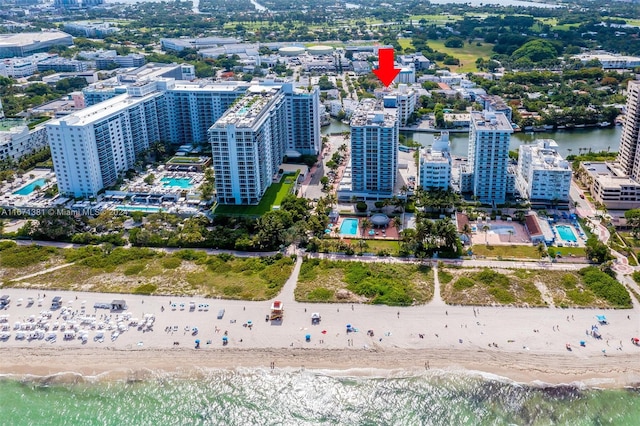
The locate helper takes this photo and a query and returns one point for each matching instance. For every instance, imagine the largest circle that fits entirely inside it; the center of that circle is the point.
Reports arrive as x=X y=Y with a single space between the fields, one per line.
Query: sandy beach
x=525 y=345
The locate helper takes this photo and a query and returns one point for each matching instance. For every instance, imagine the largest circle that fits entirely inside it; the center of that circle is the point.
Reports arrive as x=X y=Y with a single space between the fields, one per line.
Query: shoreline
x=58 y=366
x=525 y=345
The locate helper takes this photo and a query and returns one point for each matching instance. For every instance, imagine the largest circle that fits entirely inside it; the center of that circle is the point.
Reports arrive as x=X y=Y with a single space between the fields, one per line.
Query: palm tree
x=485 y=229
x=510 y=234
x=365 y=224
x=466 y=230
x=541 y=249
x=397 y=223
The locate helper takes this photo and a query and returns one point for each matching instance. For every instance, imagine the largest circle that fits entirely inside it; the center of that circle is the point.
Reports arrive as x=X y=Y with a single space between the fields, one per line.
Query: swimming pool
x=144 y=209
x=179 y=182
x=28 y=189
x=502 y=229
x=349 y=227
x=566 y=233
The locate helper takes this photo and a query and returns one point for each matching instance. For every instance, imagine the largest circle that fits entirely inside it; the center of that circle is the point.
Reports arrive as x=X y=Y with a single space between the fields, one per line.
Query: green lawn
x=521 y=252
x=272 y=197
x=466 y=54
x=436 y=19
x=185 y=160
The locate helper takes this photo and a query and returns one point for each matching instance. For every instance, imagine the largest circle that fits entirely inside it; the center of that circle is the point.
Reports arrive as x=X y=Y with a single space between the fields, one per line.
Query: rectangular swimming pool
x=502 y=229
x=144 y=209
x=178 y=182
x=349 y=227
x=28 y=189
x=566 y=233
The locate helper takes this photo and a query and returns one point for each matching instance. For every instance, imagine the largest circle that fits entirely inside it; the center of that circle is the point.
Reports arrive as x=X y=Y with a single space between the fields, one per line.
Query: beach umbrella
x=583 y=343
x=197 y=341
x=225 y=338
x=307 y=337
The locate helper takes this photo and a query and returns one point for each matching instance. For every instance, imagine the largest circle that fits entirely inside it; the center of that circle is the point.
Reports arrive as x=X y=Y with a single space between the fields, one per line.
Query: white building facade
x=374 y=150
x=489 y=137
x=435 y=164
x=542 y=173
x=248 y=143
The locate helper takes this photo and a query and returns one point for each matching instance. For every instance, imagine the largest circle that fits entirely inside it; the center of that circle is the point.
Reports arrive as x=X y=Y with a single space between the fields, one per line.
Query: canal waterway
x=569 y=141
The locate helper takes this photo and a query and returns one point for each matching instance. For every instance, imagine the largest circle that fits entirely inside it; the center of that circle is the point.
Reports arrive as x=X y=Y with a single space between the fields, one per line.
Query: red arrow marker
x=386 y=72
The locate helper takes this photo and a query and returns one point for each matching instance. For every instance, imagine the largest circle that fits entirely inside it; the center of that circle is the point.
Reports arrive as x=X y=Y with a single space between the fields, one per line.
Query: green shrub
x=444 y=277
x=492 y=278
x=636 y=277
x=73 y=255
x=232 y=290
x=7 y=245
x=118 y=256
x=145 y=289
x=580 y=297
x=21 y=256
x=569 y=281
x=134 y=269
x=606 y=287
x=171 y=262
x=192 y=255
x=320 y=294
x=463 y=283
x=308 y=271
x=502 y=295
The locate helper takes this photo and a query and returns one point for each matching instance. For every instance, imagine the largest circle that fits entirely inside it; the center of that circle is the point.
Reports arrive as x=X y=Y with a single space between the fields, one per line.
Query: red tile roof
x=461 y=220
x=531 y=222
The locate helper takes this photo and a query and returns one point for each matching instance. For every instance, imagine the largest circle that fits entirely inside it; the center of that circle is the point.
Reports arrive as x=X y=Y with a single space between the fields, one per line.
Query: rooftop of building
x=602 y=168
x=544 y=155
x=490 y=121
x=612 y=182
x=249 y=108
x=6 y=124
x=100 y=110
x=371 y=112
x=22 y=39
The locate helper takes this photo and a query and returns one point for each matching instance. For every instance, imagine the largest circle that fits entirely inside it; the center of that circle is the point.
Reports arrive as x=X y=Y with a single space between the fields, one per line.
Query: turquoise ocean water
x=281 y=397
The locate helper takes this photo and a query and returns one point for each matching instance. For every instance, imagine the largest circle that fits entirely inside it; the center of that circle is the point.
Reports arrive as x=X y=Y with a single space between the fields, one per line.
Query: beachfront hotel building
x=121 y=126
x=489 y=137
x=374 y=152
x=629 y=157
x=247 y=144
x=434 y=171
x=542 y=173
x=92 y=147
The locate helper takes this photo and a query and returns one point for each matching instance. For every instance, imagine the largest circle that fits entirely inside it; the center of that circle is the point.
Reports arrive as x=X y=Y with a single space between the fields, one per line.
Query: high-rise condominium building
x=374 y=149
x=489 y=137
x=92 y=147
x=628 y=157
x=542 y=174
x=248 y=143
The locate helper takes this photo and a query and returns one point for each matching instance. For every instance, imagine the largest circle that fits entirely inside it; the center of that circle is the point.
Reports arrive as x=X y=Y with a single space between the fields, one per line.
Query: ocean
x=295 y=397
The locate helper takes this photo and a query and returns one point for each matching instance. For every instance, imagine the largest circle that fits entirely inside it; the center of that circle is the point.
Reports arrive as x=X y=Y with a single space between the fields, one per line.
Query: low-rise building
x=58 y=64
x=16 y=140
x=25 y=44
x=610 y=186
x=128 y=61
x=90 y=29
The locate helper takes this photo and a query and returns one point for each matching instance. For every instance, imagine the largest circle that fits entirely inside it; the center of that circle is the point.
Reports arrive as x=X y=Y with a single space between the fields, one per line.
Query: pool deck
x=390 y=233
x=520 y=235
